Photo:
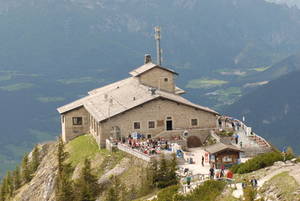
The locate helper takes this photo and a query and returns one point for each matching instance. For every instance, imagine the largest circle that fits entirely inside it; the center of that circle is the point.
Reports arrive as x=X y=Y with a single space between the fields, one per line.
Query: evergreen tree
x=16 y=179
x=3 y=190
x=171 y=172
x=63 y=187
x=86 y=186
x=9 y=184
x=35 y=162
x=162 y=172
x=25 y=170
x=152 y=173
x=115 y=192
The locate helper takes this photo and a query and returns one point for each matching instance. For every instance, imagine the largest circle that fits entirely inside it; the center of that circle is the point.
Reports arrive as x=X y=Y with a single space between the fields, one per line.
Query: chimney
x=147 y=58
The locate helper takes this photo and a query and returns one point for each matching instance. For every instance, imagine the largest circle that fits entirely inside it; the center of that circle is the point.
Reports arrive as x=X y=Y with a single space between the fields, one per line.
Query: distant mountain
x=273 y=110
x=54 y=51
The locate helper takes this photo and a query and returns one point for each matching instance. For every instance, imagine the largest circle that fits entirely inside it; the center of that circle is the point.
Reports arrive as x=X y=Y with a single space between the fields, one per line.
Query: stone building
x=148 y=102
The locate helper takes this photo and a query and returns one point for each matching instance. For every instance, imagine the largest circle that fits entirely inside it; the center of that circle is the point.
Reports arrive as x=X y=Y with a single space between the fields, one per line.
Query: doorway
x=169 y=124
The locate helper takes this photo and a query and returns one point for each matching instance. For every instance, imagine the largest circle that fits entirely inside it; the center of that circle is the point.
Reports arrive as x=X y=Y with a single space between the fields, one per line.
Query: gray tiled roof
x=121 y=96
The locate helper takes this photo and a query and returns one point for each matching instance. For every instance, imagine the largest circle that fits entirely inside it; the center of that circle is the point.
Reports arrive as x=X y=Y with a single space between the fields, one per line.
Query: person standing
x=212 y=173
x=236 y=139
x=188 y=181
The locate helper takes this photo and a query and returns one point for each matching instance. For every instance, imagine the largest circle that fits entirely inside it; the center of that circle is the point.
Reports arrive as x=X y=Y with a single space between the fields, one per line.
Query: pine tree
x=3 y=189
x=16 y=178
x=35 y=162
x=86 y=187
x=25 y=170
x=152 y=173
x=171 y=172
x=115 y=192
x=9 y=181
x=162 y=172
x=63 y=186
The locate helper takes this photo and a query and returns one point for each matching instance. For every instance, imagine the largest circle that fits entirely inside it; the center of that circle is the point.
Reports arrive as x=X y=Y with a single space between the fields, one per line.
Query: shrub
x=258 y=162
x=168 y=193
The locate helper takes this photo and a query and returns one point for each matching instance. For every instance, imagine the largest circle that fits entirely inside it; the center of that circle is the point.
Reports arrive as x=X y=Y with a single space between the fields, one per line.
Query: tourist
x=212 y=172
x=244 y=184
x=202 y=162
x=229 y=175
x=188 y=181
x=241 y=144
x=253 y=182
x=236 y=139
x=222 y=171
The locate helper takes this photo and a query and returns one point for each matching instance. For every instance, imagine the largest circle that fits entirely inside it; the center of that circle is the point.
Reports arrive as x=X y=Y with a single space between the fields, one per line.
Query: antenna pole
x=158 y=49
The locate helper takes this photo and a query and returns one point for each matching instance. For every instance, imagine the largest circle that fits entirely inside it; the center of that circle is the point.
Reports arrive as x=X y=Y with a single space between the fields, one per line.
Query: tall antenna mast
x=158 y=49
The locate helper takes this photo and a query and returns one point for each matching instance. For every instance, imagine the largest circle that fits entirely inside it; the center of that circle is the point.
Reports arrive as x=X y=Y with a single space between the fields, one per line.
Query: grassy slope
x=103 y=160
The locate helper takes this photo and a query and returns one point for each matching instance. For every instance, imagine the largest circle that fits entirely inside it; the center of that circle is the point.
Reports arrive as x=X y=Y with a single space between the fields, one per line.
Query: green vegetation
x=260 y=161
x=20 y=176
x=86 y=187
x=205 y=83
x=81 y=148
x=16 y=87
x=208 y=191
x=63 y=185
x=226 y=96
x=284 y=184
x=261 y=69
x=50 y=99
x=225 y=133
x=85 y=147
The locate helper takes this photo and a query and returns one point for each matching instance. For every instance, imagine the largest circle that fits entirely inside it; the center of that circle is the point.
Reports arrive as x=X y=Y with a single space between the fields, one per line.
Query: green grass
x=16 y=87
x=205 y=83
x=261 y=69
x=50 y=99
x=81 y=148
x=285 y=184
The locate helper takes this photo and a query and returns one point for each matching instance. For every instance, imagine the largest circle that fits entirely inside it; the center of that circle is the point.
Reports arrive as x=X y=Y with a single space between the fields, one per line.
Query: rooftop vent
x=153 y=91
x=147 y=58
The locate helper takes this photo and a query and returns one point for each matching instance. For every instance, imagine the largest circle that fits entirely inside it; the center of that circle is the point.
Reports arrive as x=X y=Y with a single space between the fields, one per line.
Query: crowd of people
x=148 y=146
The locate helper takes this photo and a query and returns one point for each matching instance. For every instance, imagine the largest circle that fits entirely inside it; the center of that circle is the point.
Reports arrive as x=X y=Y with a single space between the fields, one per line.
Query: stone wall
x=157 y=111
x=160 y=79
x=70 y=131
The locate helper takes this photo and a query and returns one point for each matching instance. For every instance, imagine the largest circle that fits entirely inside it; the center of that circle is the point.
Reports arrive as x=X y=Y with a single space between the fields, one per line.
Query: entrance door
x=169 y=125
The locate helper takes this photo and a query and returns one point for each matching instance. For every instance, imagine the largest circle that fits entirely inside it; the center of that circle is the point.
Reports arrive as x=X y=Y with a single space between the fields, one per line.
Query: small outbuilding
x=225 y=154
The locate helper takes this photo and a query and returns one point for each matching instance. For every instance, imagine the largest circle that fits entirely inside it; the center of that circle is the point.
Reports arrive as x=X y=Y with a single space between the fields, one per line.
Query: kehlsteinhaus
x=148 y=102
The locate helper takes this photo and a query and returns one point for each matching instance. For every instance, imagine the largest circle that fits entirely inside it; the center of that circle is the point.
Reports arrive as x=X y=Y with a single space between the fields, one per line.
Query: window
x=77 y=120
x=136 y=125
x=194 y=122
x=227 y=159
x=63 y=118
x=166 y=79
x=151 y=124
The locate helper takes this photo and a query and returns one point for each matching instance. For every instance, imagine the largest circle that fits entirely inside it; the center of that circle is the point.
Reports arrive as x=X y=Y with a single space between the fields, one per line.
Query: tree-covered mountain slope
x=272 y=110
